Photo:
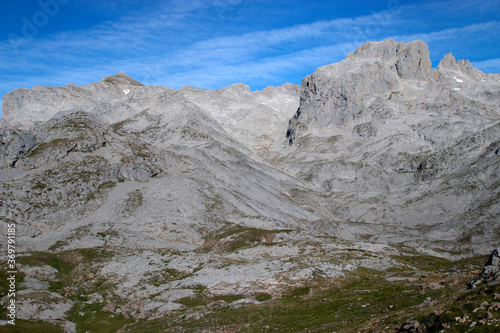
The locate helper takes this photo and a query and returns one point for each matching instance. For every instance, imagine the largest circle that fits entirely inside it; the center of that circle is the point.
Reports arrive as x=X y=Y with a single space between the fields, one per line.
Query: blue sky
x=215 y=43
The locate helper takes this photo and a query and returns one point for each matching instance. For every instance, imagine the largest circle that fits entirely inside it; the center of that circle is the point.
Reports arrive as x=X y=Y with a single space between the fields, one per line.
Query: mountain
x=400 y=151
x=188 y=172
x=155 y=206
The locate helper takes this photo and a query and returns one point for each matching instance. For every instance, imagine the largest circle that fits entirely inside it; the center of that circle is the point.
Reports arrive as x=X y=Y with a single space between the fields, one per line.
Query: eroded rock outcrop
x=490 y=272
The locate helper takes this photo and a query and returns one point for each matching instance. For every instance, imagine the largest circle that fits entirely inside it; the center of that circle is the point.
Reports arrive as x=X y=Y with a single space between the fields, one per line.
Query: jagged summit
x=448 y=62
x=410 y=60
x=373 y=132
x=374 y=121
x=385 y=71
x=121 y=79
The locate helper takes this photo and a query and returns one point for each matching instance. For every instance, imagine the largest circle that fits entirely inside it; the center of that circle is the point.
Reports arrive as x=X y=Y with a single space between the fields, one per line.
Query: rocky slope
x=154 y=183
x=257 y=119
x=178 y=164
x=140 y=202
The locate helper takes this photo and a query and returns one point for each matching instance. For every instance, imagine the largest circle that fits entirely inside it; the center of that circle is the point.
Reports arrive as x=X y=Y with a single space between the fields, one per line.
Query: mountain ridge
x=431 y=112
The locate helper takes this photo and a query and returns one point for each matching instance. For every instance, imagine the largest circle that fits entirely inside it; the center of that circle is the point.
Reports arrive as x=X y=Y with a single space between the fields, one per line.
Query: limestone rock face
x=14 y=144
x=448 y=63
x=490 y=272
x=410 y=61
x=394 y=145
x=413 y=61
x=116 y=152
x=64 y=133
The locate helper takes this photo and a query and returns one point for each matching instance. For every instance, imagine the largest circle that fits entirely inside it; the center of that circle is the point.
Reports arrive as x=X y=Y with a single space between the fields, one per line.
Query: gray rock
x=413 y=61
x=490 y=272
x=64 y=133
x=176 y=149
x=448 y=63
x=14 y=144
x=257 y=120
x=397 y=149
x=51 y=307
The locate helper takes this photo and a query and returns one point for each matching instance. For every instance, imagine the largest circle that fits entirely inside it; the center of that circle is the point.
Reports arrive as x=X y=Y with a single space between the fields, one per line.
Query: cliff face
x=399 y=150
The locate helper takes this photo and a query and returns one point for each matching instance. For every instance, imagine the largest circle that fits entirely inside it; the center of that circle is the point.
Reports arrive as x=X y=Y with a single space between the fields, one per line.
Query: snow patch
x=126 y=91
x=456 y=88
x=458 y=80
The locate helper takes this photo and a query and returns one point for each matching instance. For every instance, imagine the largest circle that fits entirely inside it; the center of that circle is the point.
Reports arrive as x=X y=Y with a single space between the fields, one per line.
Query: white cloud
x=488 y=66
x=145 y=41
x=468 y=31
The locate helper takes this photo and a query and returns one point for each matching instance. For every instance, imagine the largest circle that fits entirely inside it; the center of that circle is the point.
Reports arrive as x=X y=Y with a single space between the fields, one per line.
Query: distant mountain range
x=378 y=152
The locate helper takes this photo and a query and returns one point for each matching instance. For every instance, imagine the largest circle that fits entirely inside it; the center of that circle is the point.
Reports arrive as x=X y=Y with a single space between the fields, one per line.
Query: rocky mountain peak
x=386 y=50
x=414 y=61
x=120 y=79
x=448 y=62
x=381 y=121
x=410 y=60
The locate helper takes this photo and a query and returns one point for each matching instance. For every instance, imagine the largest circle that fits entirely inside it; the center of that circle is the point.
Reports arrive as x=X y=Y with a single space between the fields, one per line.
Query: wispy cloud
x=488 y=66
x=481 y=30
x=146 y=42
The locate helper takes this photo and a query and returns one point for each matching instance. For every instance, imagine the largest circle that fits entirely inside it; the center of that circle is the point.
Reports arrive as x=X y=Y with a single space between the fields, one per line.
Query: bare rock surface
x=401 y=152
x=490 y=272
x=255 y=119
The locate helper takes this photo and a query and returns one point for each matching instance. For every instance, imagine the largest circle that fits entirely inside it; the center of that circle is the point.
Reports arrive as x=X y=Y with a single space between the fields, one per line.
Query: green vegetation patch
x=365 y=301
x=202 y=300
x=76 y=280
x=133 y=201
x=76 y=273
x=228 y=298
x=192 y=301
x=301 y=291
x=59 y=144
x=92 y=318
x=23 y=326
x=165 y=276
x=262 y=297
